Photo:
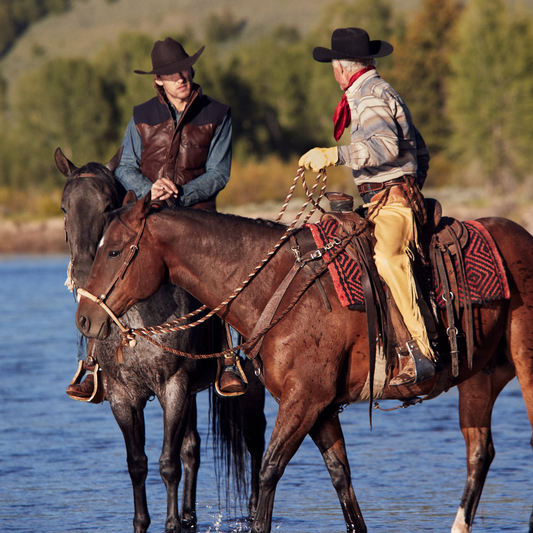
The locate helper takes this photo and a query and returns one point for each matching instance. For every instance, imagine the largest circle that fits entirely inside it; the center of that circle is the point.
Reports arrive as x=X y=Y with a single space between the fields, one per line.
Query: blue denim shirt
x=218 y=166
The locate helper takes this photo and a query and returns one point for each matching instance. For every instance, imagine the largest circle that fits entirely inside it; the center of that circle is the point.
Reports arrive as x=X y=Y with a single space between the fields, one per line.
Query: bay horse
x=314 y=361
x=90 y=193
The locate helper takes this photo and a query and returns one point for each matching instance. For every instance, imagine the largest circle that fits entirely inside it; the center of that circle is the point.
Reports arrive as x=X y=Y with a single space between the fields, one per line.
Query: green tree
x=422 y=68
x=61 y=104
x=491 y=92
x=123 y=89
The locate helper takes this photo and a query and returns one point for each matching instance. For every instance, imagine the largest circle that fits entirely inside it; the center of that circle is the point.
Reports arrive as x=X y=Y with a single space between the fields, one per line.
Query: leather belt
x=373 y=187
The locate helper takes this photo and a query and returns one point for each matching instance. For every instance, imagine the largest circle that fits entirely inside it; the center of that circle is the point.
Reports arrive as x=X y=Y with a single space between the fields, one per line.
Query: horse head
x=90 y=193
x=127 y=268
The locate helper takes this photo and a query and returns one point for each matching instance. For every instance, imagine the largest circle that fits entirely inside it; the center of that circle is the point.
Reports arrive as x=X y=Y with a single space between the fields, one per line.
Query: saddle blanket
x=485 y=273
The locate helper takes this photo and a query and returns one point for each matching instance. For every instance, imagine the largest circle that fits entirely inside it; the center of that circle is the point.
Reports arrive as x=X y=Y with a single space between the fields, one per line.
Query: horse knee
x=169 y=469
x=340 y=476
x=269 y=476
x=190 y=451
x=138 y=469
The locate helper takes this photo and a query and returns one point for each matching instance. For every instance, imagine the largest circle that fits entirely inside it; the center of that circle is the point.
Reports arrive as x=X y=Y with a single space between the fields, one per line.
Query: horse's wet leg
x=293 y=422
x=130 y=418
x=176 y=403
x=476 y=401
x=190 y=459
x=327 y=435
x=252 y=407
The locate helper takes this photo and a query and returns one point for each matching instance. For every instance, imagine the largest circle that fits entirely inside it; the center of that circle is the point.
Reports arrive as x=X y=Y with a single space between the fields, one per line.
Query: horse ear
x=140 y=210
x=63 y=164
x=130 y=198
x=112 y=164
x=145 y=203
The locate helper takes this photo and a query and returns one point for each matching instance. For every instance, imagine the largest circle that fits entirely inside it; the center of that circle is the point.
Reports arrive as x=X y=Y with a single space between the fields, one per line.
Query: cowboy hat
x=169 y=57
x=352 y=43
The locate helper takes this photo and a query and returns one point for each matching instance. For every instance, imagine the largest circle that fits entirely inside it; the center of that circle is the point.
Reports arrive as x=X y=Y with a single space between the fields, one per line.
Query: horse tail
x=229 y=448
x=227 y=429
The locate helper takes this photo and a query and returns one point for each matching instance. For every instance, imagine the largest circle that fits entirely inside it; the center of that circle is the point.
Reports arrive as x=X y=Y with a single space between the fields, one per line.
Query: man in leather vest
x=178 y=146
x=389 y=160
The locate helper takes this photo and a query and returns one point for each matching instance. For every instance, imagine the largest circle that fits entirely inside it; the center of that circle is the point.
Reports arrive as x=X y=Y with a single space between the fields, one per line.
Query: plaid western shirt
x=384 y=143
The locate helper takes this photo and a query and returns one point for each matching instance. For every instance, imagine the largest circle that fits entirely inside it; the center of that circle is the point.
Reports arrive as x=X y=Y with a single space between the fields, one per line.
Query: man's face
x=177 y=86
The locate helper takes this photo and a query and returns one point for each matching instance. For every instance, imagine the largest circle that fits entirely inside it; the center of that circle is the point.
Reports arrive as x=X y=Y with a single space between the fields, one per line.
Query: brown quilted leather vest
x=178 y=153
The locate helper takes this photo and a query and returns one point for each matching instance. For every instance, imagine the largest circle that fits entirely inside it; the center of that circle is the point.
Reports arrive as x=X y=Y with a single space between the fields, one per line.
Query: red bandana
x=342 y=116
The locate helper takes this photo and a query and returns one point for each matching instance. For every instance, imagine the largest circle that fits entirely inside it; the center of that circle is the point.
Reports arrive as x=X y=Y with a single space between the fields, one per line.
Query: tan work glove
x=319 y=158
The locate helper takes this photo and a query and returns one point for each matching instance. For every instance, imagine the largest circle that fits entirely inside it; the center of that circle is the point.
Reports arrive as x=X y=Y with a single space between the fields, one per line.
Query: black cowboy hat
x=169 y=57
x=352 y=43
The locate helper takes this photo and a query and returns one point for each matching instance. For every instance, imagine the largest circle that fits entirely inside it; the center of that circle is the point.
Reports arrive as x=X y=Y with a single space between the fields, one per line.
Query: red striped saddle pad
x=485 y=273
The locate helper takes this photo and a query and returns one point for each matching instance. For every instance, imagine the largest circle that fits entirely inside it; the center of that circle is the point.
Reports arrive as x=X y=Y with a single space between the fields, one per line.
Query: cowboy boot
x=414 y=367
x=85 y=388
x=230 y=381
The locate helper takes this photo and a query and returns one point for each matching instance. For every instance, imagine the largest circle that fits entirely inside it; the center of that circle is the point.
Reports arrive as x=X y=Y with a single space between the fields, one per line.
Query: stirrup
x=237 y=369
x=98 y=394
x=417 y=367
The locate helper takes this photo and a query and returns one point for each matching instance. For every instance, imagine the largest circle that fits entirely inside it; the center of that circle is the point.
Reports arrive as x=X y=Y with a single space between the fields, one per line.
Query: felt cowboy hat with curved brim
x=169 y=57
x=352 y=43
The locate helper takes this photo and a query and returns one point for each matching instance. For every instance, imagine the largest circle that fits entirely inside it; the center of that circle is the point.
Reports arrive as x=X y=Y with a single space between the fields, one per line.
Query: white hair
x=353 y=65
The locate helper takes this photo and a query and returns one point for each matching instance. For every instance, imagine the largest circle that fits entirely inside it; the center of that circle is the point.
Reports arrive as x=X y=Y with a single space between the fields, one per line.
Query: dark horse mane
x=162 y=209
x=99 y=172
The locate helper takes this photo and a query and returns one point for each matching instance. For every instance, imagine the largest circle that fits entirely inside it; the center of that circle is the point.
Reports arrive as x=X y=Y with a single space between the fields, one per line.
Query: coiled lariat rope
x=176 y=324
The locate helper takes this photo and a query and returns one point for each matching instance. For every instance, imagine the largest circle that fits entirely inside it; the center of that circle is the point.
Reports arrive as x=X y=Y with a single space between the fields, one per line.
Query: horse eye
x=113 y=254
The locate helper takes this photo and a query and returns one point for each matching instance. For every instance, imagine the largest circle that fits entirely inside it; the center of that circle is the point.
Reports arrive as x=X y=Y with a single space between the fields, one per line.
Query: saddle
x=442 y=240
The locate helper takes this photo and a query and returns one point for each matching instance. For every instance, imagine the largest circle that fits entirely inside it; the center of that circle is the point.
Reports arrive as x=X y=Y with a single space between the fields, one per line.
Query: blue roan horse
x=90 y=193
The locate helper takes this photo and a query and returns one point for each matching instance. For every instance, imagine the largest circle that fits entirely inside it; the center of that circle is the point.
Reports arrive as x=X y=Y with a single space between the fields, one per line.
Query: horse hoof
x=189 y=523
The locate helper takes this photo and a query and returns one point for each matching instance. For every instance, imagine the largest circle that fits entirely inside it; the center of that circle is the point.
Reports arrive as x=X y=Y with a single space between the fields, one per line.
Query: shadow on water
x=63 y=467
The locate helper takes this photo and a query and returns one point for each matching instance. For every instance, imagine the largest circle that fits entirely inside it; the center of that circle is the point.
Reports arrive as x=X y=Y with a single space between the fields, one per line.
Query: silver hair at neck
x=353 y=65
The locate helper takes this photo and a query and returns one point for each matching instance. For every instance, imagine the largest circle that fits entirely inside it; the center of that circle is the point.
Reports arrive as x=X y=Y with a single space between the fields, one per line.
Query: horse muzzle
x=91 y=319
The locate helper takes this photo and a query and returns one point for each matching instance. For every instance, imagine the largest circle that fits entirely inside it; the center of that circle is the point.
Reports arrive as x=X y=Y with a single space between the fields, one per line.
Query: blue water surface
x=63 y=463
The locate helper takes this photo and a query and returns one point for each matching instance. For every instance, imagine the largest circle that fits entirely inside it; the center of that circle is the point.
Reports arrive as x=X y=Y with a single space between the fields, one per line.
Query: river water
x=63 y=467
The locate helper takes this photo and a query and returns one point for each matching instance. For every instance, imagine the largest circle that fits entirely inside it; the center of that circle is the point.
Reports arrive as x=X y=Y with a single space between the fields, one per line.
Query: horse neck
x=210 y=255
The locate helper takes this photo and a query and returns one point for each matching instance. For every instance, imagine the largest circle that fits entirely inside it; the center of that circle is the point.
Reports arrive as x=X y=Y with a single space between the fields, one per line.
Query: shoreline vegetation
x=44 y=234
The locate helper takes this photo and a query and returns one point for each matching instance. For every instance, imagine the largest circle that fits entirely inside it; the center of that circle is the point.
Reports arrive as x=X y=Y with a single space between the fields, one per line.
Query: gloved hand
x=319 y=158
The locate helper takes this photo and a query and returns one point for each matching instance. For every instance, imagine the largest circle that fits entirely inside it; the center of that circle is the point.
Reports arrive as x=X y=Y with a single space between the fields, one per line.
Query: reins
x=248 y=345
x=173 y=326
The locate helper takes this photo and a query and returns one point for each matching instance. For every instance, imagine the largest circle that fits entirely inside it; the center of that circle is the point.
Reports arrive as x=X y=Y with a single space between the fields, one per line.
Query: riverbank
x=36 y=237
x=48 y=236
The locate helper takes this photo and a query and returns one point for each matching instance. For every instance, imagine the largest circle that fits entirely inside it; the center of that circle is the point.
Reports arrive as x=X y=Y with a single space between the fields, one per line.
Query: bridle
x=119 y=275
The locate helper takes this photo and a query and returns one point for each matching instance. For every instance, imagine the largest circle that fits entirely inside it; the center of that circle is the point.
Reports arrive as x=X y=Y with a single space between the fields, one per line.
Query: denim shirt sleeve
x=217 y=168
x=128 y=171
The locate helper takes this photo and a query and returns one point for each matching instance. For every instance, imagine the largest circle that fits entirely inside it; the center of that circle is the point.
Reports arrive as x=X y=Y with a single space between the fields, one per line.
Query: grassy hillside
x=92 y=22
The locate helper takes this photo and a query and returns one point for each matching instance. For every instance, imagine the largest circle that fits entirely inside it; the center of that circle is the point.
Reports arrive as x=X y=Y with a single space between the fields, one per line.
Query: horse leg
x=129 y=414
x=190 y=459
x=476 y=401
x=252 y=407
x=176 y=404
x=521 y=348
x=327 y=435
x=296 y=416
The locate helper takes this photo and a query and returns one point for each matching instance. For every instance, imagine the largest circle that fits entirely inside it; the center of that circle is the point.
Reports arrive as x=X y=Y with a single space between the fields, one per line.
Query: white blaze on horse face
x=101 y=243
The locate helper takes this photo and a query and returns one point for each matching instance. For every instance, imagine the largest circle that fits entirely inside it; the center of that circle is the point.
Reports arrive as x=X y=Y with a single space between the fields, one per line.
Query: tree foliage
x=464 y=73
x=422 y=68
x=491 y=91
x=62 y=104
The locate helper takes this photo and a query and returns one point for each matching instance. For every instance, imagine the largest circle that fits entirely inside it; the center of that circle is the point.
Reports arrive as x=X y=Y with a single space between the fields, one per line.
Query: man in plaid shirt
x=390 y=161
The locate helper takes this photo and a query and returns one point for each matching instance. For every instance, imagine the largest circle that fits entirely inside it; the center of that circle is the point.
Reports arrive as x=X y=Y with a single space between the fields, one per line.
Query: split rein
x=172 y=326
